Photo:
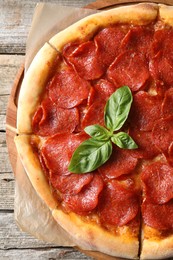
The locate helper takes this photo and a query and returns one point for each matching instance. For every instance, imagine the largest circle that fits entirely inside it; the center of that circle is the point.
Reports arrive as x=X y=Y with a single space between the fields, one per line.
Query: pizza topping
x=104 y=89
x=108 y=42
x=57 y=151
x=146 y=147
x=158 y=216
x=87 y=199
x=161 y=64
x=163 y=133
x=161 y=68
x=118 y=205
x=50 y=119
x=158 y=182
x=117 y=108
x=124 y=70
x=90 y=155
x=167 y=107
x=70 y=184
x=138 y=39
x=86 y=60
x=145 y=111
x=95 y=151
x=121 y=162
x=67 y=89
x=94 y=114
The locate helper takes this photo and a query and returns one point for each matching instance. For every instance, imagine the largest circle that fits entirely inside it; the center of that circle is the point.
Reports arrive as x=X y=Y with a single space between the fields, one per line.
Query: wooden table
x=15 y=21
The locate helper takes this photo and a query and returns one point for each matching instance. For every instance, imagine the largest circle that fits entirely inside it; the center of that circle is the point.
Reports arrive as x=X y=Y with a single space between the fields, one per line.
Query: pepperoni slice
x=121 y=162
x=75 y=141
x=163 y=133
x=167 y=107
x=87 y=199
x=104 y=89
x=67 y=89
x=145 y=111
x=162 y=40
x=86 y=60
x=144 y=140
x=118 y=205
x=157 y=216
x=82 y=109
x=95 y=114
x=161 y=64
x=70 y=184
x=50 y=119
x=138 y=39
x=161 y=68
x=58 y=149
x=108 y=41
x=55 y=153
x=130 y=69
x=158 y=182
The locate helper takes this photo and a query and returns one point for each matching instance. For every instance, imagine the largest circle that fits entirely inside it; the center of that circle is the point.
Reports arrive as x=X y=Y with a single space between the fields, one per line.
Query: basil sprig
x=95 y=151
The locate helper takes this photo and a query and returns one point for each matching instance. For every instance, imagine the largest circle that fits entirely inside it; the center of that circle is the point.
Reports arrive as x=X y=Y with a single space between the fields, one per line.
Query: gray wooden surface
x=15 y=20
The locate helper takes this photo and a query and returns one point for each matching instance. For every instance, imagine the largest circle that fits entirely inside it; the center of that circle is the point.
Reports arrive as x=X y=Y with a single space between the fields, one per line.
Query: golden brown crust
x=166 y=14
x=89 y=236
x=33 y=86
x=139 y=14
x=154 y=246
x=34 y=171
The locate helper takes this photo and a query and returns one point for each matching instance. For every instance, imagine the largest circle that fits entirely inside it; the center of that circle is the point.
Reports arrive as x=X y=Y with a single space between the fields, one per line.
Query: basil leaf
x=123 y=140
x=117 y=108
x=98 y=132
x=90 y=155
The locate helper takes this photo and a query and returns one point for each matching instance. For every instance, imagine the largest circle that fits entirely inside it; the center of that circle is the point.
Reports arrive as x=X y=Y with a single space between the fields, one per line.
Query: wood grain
x=9 y=66
x=11 y=237
x=43 y=254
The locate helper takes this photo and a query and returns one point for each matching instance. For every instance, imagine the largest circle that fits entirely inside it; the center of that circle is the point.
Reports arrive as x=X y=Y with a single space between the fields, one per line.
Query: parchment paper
x=31 y=213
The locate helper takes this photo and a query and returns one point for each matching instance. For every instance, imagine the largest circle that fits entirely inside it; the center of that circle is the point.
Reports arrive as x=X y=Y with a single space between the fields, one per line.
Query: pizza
x=123 y=207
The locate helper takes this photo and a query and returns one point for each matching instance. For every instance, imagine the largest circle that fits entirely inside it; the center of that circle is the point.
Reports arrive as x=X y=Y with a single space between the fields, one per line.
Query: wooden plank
x=49 y=253
x=15 y=20
x=3 y=104
x=9 y=66
x=4 y=159
x=2 y=122
x=6 y=192
x=6 y=177
x=11 y=237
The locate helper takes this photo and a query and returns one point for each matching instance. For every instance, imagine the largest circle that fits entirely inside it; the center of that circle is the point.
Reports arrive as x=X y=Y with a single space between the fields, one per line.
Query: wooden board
x=12 y=104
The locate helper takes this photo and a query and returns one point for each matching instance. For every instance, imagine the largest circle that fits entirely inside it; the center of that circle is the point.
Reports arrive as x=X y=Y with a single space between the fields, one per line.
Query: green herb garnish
x=95 y=151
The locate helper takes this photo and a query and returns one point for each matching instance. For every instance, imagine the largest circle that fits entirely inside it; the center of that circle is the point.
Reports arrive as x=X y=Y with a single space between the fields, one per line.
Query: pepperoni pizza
x=124 y=207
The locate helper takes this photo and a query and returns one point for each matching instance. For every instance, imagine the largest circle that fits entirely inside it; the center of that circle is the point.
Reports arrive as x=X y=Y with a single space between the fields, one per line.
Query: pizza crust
x=154 y=246
x=33 y=86
x=34 y=171
x=166 y=14
x=89 y=236
x=140 y=14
